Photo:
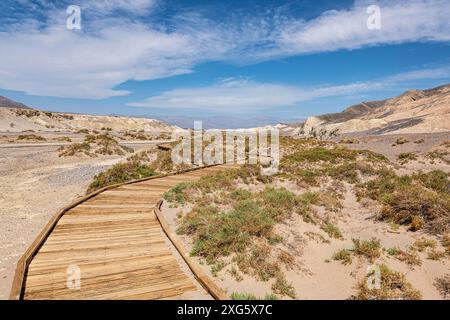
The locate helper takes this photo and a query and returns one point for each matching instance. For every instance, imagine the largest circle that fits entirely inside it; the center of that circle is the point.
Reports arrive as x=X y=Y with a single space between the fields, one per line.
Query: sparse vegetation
x=219 y=233
x=30 y=137
x=63 y=139
x=234 y=215
x=393 y=286
x=367 y=248
x=94 y=145
x=423 y=243
x=400 y=141
x=438 y=155
x=282 y=287
x=344 y=256
x=121 y=172
x=405 y=157
x=251 y=296
x=409 y=257
x=443 y=285
x=406 y=200
x=332 y=230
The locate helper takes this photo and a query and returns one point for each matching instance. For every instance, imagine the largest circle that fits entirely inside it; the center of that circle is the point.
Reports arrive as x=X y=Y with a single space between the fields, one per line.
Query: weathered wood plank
x=115 y=239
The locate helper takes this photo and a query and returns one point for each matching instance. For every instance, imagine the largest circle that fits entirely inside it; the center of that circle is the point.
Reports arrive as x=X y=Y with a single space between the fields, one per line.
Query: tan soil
x=317 y=275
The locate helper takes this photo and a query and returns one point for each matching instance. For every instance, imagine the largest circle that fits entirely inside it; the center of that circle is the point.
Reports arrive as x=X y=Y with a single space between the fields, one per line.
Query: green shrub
x=121 y=172
x=344 y=256
x=332 y=230
x=368 y=248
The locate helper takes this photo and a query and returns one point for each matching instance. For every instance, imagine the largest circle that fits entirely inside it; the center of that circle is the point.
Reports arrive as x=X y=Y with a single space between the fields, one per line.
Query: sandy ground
x=317 y=275
x=34 y=184
x=383 y=144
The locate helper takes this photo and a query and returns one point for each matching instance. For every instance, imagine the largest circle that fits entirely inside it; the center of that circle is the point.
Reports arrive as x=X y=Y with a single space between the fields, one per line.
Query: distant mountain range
x=17 y=117
x=414 y=111
x=226 y=122
x=8 y=103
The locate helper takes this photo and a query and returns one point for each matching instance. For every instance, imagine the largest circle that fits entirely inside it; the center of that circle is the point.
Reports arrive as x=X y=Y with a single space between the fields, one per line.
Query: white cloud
x=401 y=21
x=59 y=62
x=127 y=5
x=47 y=59
x=233 y=95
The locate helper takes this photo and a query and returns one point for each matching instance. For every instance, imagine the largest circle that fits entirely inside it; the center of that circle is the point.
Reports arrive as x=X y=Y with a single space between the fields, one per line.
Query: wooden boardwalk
x=116 y=241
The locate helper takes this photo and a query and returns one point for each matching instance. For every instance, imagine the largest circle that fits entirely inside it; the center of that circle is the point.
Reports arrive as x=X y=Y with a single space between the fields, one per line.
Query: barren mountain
x=415 y=111
x=16 y=117
x=8 y=103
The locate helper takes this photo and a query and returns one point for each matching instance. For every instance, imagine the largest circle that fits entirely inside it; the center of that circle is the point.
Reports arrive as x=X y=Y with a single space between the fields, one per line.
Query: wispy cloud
x=237 y=95
x=401 y=21
x=43 y=58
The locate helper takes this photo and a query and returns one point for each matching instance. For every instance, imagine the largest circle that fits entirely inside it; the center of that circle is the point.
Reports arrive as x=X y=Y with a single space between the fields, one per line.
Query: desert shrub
x=309 y=177
x=27 y=113
x=446 y=242
x=282 y=287
x=343 y=255
x=384 y=185
x=370 y=249
x=258 y=262
x=63 y=139
x=235 y=274
x=93 y=145
x=423 y=244
x=443 y=285
x=344 y=172
x=410 y=257
x=436 y=180
x=399 y=141
x=121 y=172
x=439 y=155
x=332 y=230
x=164 y=163
x=31 y=137
x=417 y=206
x=405 y=157
x=393 y=286
x=217 y=233
x=318 y=154
x=251 y=296
x=75 y=149
x=286 y=258
x=176 y=194
x=407 y=200
x=436 y=254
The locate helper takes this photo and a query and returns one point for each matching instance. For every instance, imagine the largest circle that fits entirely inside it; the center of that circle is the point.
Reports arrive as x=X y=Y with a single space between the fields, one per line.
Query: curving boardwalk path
x=116 y=241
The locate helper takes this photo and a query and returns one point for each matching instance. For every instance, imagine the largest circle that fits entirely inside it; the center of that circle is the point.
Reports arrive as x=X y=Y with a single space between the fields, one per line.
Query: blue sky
x=278 y=60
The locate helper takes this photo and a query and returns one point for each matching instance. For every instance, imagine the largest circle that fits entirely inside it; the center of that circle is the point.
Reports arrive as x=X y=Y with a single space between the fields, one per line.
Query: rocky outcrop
x=415 y=111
